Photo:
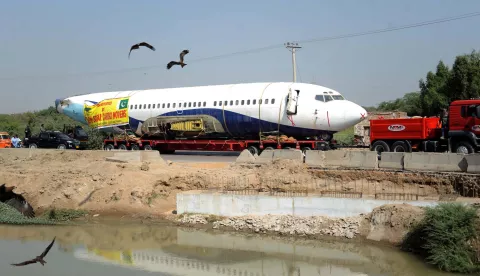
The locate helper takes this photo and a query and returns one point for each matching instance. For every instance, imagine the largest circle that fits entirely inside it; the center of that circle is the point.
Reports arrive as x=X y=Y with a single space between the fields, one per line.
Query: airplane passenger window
x=168 y=105
x=242 y=102
x=248 y=102
x=189 y=104
x=215 y=103
x=225 y=103
x=328 y=98
x=163 y=105
x=219 y=103
x=131 y=106
x=184 y=104
x=273 y=101
x=266 y=101
x=158 y=105
x=199 y=104
x=135 y=106
x=319 y=98
x=148 y=106
x=204 y=104
x=194 y=104
x=236 y=102
x=173 y=105
x=231 y=102
x=144 y=106
x=139 y=106
x=254 y=102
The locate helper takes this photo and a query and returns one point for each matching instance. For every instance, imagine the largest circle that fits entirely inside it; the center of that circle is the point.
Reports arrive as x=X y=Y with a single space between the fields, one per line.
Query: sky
x=55 y=49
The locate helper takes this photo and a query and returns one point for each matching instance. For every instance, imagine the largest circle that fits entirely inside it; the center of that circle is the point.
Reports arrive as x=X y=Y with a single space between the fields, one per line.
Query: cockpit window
x=338 y=97
x=319 y=98
x=328 y=98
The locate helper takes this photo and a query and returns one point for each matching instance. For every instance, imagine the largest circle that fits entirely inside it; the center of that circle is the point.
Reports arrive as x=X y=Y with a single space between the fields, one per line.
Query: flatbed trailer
x=254 y=146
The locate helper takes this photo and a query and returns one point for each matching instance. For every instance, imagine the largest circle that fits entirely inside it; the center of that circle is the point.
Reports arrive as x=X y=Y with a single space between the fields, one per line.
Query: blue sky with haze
x=48 y=46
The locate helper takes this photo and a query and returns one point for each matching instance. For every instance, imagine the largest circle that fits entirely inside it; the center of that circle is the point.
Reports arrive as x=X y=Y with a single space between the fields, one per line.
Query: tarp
x=107 y=113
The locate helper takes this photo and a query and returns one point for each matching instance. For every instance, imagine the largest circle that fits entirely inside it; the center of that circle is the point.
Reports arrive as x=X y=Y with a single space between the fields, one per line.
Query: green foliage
x=16 y=123
x=9 y=215
x=345 y=137
x=445 y=238
x=462 y=81
x=63 y=214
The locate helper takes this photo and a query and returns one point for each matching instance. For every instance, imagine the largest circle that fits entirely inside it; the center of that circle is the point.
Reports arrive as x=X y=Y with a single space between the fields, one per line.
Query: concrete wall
x=240 y=205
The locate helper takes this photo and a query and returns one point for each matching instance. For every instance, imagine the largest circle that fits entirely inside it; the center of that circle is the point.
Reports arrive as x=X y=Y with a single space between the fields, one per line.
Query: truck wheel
x=33 y=146
x=122 y=147
x=379 y=147
x=400 y=146
x=135 y=147
x=463 y=147
x=109 y=147
x=253 y=150
x=147 y=147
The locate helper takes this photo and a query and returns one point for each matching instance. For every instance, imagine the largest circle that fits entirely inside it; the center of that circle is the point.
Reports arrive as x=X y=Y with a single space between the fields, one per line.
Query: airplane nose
x=355 y=113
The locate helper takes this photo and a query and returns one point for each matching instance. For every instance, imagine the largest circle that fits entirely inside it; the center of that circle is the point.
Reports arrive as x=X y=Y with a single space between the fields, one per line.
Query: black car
x=52 y=140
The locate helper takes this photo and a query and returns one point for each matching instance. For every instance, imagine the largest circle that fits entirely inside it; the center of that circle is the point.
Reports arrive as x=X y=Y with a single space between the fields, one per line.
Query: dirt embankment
x=84 y=180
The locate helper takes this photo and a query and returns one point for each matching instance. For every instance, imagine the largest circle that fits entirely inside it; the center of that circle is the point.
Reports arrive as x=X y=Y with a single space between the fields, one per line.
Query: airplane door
x=292 y=101
x=180 y=107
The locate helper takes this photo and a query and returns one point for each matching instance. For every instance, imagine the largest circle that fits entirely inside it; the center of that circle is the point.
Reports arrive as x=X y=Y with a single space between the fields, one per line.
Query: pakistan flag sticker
x=123 y=104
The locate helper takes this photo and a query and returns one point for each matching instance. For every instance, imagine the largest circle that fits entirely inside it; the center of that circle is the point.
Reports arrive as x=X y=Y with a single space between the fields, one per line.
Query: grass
x=447 y=238
x=345 y=136
x=9 y=215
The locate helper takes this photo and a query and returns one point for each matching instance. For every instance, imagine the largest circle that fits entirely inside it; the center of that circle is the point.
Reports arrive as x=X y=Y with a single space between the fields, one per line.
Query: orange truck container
x=5 y=141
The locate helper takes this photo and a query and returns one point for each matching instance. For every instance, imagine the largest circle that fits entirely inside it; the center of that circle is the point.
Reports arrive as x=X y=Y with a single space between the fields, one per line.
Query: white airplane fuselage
x=243 y=109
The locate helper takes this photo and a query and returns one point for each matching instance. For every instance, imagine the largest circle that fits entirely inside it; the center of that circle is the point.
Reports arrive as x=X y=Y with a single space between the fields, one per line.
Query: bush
x=446 y=237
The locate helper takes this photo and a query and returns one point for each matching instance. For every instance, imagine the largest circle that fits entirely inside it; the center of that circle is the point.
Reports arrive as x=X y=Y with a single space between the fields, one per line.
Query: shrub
x=446 y=237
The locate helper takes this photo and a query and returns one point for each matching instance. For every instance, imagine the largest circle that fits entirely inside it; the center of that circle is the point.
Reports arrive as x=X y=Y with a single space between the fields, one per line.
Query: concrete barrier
x=240 y=205
x=265 y=157
x=391 y=160
x=245 y=157
x=473 y=162
x=27 y=152
x=288 y=154
x=315 y=158
x=426 y=161
x=351 y=159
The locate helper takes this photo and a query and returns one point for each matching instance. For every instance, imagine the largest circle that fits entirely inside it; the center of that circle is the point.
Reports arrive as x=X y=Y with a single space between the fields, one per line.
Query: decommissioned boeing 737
x=299 y=110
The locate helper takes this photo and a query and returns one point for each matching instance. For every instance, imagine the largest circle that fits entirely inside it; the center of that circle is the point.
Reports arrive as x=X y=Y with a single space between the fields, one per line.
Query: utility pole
x=292 y=47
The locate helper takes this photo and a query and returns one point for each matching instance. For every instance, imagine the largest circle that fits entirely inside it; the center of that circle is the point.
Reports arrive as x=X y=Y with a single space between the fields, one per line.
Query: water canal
x=113 y=249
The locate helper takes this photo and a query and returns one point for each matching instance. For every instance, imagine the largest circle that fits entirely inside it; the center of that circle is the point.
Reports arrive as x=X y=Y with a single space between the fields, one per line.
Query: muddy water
x=138 y=249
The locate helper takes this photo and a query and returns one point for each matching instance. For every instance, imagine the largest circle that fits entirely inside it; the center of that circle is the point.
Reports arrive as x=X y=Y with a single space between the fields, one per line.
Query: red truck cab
x=462 y=132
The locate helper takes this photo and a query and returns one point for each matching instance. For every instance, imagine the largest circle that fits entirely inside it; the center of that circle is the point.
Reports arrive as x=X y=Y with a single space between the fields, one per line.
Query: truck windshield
x=4 y=136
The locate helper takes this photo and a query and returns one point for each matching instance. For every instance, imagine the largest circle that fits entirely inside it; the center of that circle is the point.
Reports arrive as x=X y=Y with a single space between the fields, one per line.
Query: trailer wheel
x=122 y=147
x=379 y=147
x=109 y=147
x=400 y=146
x=463 y=147
x=135 y=147
x=253 y=150
x=147 y=147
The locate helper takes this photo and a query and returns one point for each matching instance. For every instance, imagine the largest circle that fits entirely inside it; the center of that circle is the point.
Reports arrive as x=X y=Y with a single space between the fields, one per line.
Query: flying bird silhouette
x=17 y=201
x=137 y=46
x=38 y=259
x=182 y=54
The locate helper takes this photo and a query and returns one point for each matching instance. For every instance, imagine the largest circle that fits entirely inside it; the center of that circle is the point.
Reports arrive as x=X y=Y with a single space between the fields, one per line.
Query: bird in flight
x=182 y=54
x=137 y=46
x=17 y=201
x=38 y=259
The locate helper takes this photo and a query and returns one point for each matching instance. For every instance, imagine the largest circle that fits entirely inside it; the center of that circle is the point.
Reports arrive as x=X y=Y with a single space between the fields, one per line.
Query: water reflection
x=116 y=250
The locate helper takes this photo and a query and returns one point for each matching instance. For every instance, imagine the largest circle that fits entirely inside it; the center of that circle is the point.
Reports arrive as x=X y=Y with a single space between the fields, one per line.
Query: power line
x=271 y=47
